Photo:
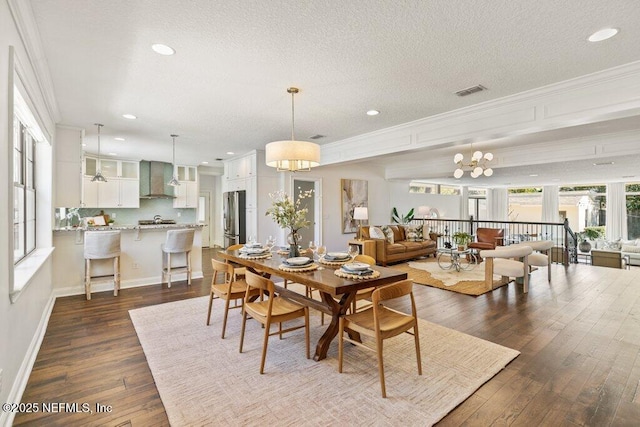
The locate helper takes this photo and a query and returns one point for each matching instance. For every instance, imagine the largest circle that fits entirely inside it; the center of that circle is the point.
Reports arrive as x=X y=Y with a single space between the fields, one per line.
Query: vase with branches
x=290 y=214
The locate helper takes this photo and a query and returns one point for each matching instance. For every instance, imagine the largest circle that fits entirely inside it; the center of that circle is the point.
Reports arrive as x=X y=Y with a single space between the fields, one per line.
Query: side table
x=365 y=247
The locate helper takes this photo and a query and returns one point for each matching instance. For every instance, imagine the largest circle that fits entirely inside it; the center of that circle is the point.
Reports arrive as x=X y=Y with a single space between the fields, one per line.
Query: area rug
x=428 y=272
x=204 y=380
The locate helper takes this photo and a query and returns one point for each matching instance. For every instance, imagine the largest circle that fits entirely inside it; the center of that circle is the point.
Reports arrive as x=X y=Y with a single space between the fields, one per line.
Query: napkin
x=358 y=273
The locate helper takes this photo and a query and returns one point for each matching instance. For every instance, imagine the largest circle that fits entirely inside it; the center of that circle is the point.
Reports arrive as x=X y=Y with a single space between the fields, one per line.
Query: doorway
x=204 y=217
x=314 y=206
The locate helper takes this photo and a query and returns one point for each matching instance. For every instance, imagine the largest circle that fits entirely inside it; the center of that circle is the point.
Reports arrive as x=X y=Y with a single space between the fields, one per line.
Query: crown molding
x=27 y=29
x=612 y=93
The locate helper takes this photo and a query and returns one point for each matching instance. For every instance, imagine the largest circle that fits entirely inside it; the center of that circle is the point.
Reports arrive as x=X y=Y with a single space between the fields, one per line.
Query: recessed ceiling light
x=373 y=112
x=231 y=153
x=163 y=49
x=129 y=116
x=604 y=34
x=533 y=174
x=113 y=154
x=84 y=145
x=205 y=163
x=119 y=139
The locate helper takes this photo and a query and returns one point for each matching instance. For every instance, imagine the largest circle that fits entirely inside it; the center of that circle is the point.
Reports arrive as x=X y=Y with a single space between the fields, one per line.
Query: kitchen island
x=140 y=260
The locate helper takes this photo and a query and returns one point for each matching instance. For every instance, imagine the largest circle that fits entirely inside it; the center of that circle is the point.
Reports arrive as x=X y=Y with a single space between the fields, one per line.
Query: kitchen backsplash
x=147 y=210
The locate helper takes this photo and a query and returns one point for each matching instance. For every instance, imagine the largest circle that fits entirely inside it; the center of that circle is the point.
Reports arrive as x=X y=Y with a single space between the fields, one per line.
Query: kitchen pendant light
x=98 y=177
x=292 y=155
x=174 y=180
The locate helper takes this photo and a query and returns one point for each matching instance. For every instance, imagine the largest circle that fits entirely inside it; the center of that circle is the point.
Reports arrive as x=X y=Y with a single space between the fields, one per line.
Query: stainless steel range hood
x=153 y=180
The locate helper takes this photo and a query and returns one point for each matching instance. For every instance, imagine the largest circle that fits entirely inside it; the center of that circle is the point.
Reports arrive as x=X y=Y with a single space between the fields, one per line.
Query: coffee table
x=454 y=259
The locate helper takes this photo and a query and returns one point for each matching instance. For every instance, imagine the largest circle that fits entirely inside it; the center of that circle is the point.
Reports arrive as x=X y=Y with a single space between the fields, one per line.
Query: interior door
x=204 y=217
x=309 y=233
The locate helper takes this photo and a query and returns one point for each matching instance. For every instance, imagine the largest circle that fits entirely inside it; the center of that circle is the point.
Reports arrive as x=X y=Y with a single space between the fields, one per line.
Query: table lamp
x=360 y=213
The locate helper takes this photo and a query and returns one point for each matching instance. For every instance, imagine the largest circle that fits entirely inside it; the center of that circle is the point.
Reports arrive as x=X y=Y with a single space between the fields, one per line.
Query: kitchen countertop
x=128 y=227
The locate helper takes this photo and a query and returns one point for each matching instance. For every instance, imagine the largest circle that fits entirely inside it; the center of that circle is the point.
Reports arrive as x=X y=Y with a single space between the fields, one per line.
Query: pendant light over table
x=292 y=155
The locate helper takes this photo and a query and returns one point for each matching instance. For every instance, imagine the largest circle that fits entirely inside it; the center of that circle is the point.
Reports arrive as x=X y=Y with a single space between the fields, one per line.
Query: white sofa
x=629 y=248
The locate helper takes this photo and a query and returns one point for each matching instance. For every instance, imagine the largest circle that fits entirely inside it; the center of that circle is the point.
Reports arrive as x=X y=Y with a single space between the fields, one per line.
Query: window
x=24 y=192
x=477 y=202
x=633 y=210
x=449 y=190
x=422 y=187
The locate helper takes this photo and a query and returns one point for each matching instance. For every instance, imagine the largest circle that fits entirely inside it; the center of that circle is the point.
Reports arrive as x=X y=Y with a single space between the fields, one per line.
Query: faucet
x=157 y=219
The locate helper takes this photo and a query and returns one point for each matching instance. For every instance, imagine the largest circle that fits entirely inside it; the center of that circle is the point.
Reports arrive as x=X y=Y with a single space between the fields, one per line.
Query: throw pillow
x=631 y=248
x=388 y=232
x=376 y=233
x=413 y=233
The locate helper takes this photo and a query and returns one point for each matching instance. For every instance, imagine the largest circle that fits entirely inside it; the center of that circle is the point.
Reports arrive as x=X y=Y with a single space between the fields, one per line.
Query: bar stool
x=101 y=245
x=177 y=241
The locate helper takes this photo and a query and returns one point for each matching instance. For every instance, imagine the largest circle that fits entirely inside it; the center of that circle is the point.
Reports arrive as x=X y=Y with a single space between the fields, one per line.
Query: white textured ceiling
x=225 y=88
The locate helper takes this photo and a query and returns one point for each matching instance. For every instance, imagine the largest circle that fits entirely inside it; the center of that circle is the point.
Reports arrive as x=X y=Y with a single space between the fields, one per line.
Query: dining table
x=336 y=293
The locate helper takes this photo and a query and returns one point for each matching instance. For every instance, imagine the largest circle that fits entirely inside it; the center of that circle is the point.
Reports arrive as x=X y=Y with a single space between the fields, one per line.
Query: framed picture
x=354 y=193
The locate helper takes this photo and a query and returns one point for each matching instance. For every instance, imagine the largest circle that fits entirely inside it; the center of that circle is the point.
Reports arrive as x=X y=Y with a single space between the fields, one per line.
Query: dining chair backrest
x=235 y=247
x=392 y=291
x=259 y=282
x=222 y=267
x=179 y=240
x=101 y=244
x=366 y=259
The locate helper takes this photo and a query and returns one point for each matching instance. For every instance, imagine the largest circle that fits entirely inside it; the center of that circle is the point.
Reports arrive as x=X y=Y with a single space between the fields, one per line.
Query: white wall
x=403 y=201
x=20 y=321
x=383 y=195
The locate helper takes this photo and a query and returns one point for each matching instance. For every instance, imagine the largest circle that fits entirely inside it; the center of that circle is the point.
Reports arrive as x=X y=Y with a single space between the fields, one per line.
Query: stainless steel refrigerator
x=234 y=218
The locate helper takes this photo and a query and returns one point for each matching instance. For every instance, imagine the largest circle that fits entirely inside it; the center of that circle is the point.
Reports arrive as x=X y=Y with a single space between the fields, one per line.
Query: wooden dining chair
x=275 y=309
x=380 y=323
x=239 y=271
x=230 y=289
x=363 y=294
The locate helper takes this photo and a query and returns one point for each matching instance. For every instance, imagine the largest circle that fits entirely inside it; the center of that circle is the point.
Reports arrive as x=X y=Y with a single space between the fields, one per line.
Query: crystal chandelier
x=477 y=166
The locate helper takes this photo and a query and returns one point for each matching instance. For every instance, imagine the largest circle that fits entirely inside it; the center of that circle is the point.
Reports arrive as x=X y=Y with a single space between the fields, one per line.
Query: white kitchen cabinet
x=89 y=193
x=122 y=189
x=187 y=192
x=251 y=222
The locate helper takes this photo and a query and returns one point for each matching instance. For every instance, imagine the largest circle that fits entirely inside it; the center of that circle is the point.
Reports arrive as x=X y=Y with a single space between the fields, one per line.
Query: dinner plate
x=338 y=255
x=300 y=260
x=356 y=266
x=253 y=251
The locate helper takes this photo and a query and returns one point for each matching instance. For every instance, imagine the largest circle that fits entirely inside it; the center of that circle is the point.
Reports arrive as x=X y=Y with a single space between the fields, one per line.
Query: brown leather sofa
x=487 y=239
x=401 y=249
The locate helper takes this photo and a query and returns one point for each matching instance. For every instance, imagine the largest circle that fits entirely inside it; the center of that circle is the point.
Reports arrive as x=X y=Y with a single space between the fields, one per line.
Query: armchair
x=505 y=262
x=487 y=238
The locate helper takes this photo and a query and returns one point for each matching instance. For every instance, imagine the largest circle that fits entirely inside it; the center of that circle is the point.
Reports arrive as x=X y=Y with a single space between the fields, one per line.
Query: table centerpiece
x=290 y=215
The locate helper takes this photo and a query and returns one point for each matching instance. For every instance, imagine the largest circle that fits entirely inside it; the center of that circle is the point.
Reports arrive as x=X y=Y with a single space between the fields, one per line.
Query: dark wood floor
x=579 y=337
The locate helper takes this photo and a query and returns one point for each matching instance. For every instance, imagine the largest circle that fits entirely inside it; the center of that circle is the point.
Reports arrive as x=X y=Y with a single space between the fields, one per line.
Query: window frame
x=24 y=217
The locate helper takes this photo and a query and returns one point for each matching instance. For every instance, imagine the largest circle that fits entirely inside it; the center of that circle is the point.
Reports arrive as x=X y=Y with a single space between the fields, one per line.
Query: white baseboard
x=20 y=383
x=107 y=285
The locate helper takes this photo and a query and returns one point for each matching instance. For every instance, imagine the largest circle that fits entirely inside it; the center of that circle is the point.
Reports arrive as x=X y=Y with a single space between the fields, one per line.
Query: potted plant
x=590 y=233
x=401 y=219
x=462 y=239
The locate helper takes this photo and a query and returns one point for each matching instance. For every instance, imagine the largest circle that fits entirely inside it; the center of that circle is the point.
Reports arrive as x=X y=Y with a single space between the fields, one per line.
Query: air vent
x=604 y=164
x=470 y=90
x=218 y=159
x=318 y=136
